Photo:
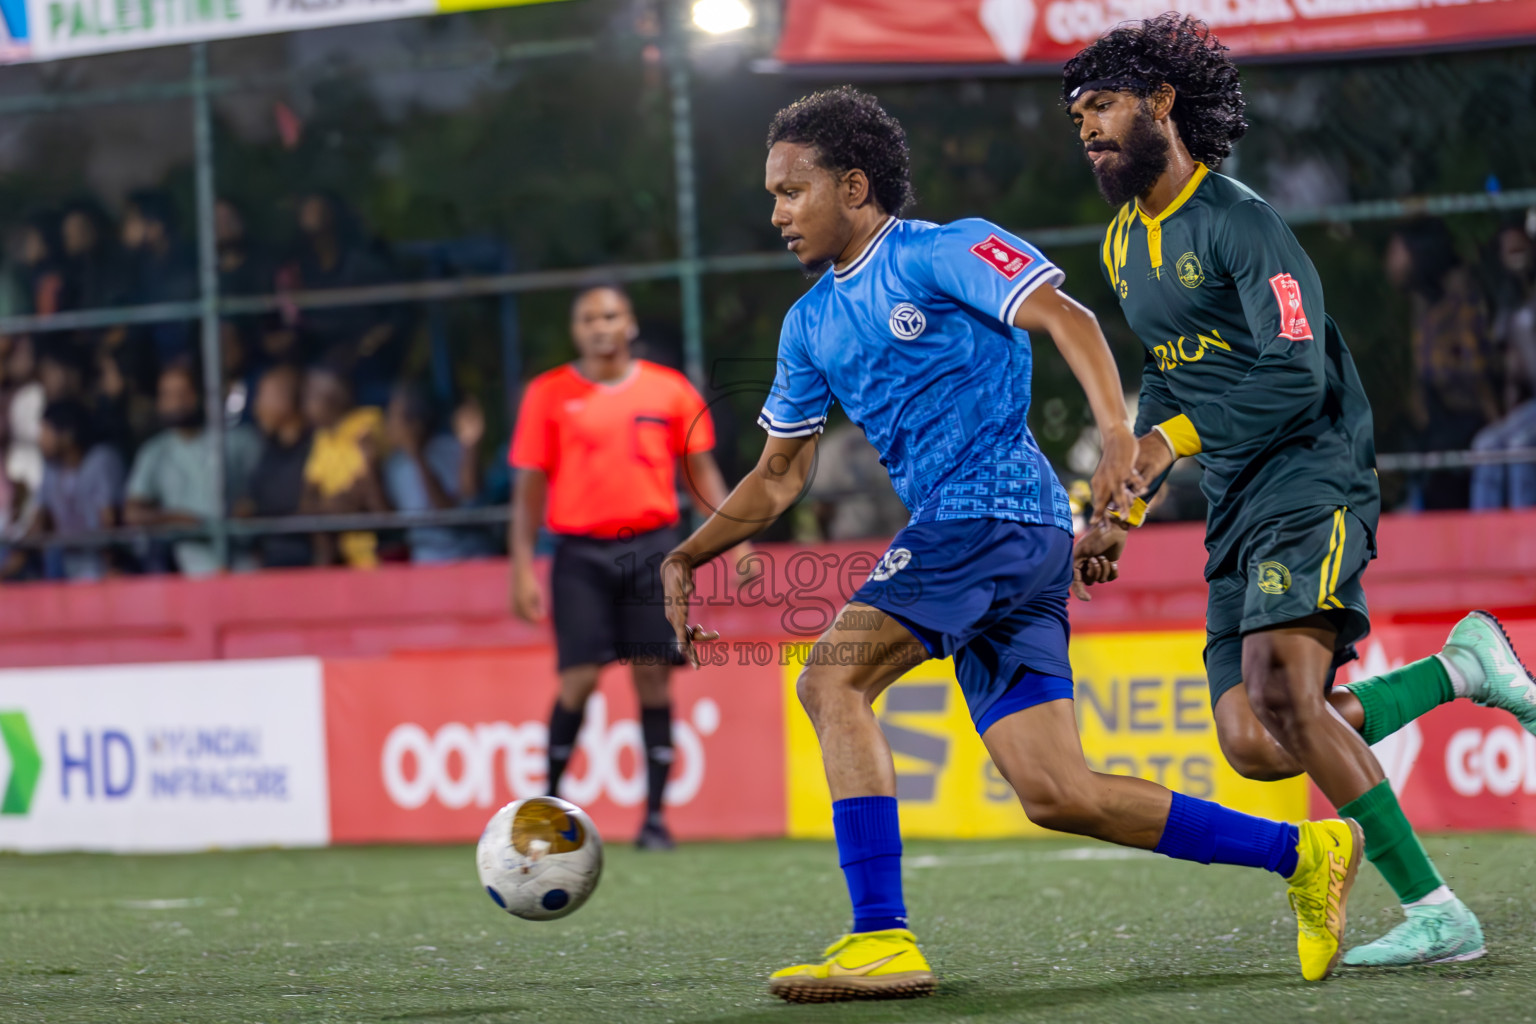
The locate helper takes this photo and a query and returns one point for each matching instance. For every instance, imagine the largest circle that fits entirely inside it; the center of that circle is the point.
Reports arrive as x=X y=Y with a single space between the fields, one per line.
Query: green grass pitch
x=1018 y=931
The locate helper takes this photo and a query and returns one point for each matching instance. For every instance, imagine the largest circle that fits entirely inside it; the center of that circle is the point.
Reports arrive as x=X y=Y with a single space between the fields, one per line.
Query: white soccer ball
x=540 y=858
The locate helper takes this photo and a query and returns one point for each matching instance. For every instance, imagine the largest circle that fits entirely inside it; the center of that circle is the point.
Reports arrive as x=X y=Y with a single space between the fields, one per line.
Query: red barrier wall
x=423 y=749
x=1432 y=565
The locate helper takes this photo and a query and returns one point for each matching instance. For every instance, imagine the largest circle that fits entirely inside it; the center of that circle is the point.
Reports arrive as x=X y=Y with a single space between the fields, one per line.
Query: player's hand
x=1096 y=558
x=1116 y=481
x=527 y=596
x=1153 y=457
x=677 y=586
x=469 y=424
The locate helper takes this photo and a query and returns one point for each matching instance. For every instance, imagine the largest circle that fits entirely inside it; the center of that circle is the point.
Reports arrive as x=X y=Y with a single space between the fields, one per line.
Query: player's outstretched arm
x=763 y=495
x=1076 y=332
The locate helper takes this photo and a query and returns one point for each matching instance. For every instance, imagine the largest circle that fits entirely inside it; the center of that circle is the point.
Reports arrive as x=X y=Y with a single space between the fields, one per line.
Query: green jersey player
x=1245 y=372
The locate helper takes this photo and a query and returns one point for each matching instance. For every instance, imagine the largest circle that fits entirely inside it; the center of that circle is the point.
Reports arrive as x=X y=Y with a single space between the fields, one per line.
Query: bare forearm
x=469 y=475
x=1075 y=330
x=435 y=493
x=144 y=514
x=763 y=495
x=1087 y=354
x=527 y=512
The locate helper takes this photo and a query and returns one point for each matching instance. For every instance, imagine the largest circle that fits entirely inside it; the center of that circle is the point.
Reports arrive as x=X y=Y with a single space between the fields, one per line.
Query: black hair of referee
x=603 y=326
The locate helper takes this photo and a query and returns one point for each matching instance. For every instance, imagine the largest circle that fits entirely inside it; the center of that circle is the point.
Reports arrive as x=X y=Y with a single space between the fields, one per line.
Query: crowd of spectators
x=1473 y=338
x=107 y=426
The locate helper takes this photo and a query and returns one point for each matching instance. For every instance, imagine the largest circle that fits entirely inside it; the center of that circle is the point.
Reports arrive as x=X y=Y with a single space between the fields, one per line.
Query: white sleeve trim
x=804 y=428
x=1046 y=273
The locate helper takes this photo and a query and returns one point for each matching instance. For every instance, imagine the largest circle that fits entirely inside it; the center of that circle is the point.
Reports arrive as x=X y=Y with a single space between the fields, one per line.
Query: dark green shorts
x=1296 y=565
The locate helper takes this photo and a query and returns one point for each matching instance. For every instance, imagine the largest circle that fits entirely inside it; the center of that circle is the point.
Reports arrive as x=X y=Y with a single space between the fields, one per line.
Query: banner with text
x=163 y=757
x=50 y=29
x=425 y=749
x=1051 y=31
x=1143 y=709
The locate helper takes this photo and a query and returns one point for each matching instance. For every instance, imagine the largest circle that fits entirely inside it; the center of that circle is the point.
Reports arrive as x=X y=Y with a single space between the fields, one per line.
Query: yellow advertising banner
x=1142 y=709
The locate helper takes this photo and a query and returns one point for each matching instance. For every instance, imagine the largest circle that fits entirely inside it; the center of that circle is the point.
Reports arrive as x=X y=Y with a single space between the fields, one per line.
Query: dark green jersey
x=1244 y=370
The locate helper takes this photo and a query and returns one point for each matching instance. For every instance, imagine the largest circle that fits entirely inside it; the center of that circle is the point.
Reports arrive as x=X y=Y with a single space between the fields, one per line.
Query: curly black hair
x=851 y=130
x=1178 y=50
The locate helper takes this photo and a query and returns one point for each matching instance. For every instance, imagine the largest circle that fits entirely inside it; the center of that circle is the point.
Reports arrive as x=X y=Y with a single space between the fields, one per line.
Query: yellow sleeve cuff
x=1181 y=435
x=1134 y=517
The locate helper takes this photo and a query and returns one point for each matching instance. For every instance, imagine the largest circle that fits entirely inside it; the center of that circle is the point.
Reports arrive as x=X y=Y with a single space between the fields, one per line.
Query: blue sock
x=869 y=850
x=1208 y=833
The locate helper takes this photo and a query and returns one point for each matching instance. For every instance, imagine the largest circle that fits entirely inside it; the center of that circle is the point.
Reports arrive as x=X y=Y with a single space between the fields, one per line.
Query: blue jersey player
x=919 y=332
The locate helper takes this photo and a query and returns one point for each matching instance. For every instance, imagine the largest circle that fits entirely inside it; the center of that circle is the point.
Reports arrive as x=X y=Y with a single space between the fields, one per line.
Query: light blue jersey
x=915 y=340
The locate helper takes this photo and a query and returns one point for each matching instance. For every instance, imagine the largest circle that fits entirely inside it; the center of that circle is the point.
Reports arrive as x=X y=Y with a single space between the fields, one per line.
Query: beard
x=1143 y=157
x=813 y=271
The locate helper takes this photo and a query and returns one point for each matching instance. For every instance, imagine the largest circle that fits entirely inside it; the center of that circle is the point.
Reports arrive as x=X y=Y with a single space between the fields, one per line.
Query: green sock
x=1391 y=845
x=1395 y=698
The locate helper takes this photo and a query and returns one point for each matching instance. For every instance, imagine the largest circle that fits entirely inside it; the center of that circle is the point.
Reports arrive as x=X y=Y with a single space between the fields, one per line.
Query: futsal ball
x=540 y=858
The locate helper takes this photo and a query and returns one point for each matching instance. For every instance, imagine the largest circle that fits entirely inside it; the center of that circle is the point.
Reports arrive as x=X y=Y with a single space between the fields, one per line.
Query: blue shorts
x=992 y=594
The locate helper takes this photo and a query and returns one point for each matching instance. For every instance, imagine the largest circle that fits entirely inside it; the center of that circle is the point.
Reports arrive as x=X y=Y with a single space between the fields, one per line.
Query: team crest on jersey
x=891 y=563
x=1293 y=318
x=1002 y=257
x=1274 y=578
x=907 y=321
x=1191 y=274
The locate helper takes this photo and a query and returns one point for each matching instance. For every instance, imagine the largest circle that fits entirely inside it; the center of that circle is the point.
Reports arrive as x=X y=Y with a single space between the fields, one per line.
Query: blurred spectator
x=160 y=269
x=40 y=272
x=115 y=409
x=93 y=266
x=1512 y=485
x=24 y=422
x=367 y=342
x=240 y=372
x=170 y=483
x=81 y=492
x=426 y=471
x=61 y=370
x=244 y=268
x=341 y=475
x=277 y=486
x=1454 y=394
x=851 y=492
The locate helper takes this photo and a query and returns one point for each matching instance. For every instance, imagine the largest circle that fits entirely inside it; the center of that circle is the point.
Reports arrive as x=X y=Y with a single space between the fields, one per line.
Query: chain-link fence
x=468 y=171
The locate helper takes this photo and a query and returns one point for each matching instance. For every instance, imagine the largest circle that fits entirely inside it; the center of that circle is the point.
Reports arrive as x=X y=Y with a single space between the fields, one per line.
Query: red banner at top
x=1050 y=31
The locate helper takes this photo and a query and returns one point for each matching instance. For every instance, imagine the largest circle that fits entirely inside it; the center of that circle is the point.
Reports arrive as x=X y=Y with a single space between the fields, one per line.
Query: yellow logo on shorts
x=1274 y=578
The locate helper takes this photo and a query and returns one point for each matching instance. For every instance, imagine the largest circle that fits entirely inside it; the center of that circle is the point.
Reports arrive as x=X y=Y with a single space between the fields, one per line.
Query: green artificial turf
x=1017 y=931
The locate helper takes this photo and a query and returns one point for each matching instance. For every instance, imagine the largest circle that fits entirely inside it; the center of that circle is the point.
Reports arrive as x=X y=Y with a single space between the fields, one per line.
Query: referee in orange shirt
x=596 y=446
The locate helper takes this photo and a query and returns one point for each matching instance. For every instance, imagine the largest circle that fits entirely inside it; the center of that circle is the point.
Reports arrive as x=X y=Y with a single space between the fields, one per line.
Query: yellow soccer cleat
x=863 y=965
x=1330 y=854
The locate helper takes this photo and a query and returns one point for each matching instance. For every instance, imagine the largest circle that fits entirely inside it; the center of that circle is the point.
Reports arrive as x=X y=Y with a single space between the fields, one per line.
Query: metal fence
x=681 y=61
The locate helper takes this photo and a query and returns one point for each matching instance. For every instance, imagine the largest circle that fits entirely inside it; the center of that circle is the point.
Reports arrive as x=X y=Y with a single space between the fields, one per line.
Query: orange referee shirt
x=610 y=450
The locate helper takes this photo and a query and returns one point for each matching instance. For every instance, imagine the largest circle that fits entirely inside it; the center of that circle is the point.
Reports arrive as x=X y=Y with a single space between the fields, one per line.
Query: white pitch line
x=1075 y=853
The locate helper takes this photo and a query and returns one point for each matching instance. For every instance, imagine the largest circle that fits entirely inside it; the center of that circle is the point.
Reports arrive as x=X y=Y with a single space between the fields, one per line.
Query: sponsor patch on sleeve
x=1293 y=318
x=1002 y=257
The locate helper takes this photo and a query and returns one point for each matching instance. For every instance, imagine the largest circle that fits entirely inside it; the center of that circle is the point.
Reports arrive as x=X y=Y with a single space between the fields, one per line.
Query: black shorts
x=1294 y=566
x=608 y=600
